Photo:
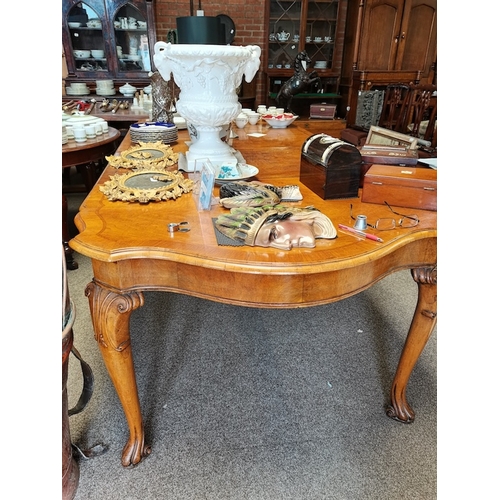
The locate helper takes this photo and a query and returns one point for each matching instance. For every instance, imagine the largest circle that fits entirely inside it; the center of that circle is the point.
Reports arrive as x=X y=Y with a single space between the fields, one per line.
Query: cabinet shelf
x=282 y=19
x=132 y=30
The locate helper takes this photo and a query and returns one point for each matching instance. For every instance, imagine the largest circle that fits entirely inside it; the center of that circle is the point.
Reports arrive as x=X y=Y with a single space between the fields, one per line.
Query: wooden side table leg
x=111 y=321
x=68 y=252
x=424 y=320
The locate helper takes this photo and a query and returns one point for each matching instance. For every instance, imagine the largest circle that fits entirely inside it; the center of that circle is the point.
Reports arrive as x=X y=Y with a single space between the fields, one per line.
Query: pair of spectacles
x=384 y=224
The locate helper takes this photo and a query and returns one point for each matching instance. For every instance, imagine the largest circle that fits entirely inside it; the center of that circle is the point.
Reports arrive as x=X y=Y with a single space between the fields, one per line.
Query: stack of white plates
x=320 y=64
x=153 y=132
x=64 y=135
x=105 y=87
x=77 y=89
x=105 y=92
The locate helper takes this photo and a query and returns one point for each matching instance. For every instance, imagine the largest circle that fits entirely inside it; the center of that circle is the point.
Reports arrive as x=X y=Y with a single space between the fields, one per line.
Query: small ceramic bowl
x=280 y=121
x=127 y=90
x=81 y=54
x=97 y=53
x=74 y=25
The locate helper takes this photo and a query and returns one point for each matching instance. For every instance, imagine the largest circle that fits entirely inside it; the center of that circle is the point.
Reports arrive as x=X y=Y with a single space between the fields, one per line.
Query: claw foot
x=134 y=451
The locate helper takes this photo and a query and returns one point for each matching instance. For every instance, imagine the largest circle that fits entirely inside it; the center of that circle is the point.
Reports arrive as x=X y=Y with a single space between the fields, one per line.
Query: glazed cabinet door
x=108 y=39
x=129 y=37
x=285 y=31
x=311 y=25
x=292 y=26
x=85 y=37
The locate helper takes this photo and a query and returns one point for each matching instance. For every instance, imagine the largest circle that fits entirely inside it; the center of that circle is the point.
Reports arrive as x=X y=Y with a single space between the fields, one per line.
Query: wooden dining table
x=133 y=252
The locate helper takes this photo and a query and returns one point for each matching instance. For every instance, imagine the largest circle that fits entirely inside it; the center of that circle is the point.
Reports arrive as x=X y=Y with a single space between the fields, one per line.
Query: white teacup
x=253 y=118
x=79 y=133
x=105 y=127
x=90 y=131
x=241 y=120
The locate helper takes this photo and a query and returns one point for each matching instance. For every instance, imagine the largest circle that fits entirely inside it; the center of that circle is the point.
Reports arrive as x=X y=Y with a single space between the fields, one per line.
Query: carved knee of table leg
x=110 y=313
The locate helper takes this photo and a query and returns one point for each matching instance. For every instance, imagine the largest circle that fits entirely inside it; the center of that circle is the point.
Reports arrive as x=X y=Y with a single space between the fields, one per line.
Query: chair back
x=420 y=106
x=394 y=100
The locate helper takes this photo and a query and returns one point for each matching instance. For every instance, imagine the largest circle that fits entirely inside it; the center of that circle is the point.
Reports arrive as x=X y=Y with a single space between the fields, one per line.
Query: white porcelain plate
x=247 y=171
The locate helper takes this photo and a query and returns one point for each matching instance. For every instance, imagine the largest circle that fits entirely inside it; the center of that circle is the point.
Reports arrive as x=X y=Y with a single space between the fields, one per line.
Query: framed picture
x=389 y=138
x=205 y=178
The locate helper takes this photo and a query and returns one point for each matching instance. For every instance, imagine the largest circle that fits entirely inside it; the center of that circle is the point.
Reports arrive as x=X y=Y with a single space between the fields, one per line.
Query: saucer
x=247 y=172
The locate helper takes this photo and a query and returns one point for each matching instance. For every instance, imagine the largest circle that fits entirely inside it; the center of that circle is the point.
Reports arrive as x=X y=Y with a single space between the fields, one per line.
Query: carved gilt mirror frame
x=144 y=155
x=145 y=185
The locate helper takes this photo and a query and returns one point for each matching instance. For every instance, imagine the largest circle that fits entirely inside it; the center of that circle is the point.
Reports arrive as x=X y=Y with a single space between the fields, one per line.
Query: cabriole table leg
x=421 y=328
x=110 y=313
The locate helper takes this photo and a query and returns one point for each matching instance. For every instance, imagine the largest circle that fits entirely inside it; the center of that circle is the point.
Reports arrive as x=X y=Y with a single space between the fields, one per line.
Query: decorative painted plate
x=242 y=173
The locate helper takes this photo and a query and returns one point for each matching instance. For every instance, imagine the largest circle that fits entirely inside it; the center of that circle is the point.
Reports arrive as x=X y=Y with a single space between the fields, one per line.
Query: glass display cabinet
x=108 y=39
x=316 y=26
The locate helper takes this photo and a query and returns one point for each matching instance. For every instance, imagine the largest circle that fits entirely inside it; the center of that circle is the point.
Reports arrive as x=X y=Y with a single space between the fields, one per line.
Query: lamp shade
x=200 y=30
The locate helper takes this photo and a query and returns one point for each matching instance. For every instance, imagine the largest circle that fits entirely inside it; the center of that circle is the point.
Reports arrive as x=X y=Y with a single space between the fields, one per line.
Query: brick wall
x=248 y=17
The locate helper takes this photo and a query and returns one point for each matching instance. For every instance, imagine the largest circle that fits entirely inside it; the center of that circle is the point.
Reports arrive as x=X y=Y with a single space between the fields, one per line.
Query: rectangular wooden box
x=388 y=155
x=330 y=167
x=401 y=186
x=323 y=111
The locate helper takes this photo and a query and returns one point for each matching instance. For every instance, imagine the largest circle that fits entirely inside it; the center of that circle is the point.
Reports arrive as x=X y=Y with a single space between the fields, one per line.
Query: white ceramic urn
x=208 y=76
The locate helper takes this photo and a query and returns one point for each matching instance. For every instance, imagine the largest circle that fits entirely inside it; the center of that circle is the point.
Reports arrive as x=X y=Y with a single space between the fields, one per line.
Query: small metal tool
x=182 y=227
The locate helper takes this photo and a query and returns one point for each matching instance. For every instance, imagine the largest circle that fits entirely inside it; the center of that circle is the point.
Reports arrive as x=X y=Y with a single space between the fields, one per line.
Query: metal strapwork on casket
x=330 y=167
